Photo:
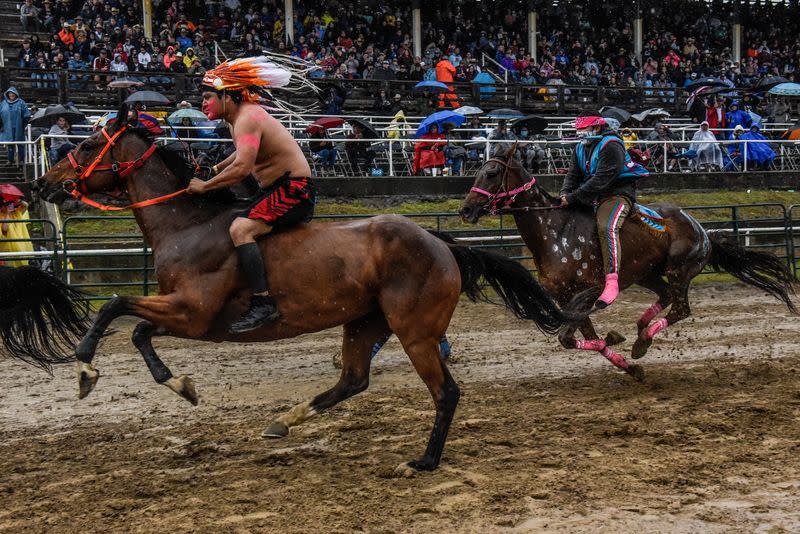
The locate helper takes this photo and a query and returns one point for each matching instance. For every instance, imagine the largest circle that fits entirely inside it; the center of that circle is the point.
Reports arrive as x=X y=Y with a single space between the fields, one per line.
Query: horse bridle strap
x=504 y=197
x=121 y=168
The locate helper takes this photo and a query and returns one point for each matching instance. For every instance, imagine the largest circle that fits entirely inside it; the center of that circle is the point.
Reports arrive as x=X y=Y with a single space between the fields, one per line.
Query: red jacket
x=445 y=71
x=429 y=153
x=716 y=119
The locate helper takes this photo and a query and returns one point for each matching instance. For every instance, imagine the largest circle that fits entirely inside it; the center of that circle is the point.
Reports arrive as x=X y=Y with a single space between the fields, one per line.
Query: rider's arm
x=611 y=162
x=573 y=177
x=244 y=160
x=222 y=165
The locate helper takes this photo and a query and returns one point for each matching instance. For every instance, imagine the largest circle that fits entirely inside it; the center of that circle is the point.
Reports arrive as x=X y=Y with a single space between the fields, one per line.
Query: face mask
x=523 y=133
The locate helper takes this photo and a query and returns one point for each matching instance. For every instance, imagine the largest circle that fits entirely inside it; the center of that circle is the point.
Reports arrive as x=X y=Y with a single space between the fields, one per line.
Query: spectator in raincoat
x=736 y=117
x=630 y=138
x=429 y=152
x=716 y=117
x=14 y=114
x=444 y=73
x=14 y=236
x=759 y=155
x=704 y=144
x=398 y=127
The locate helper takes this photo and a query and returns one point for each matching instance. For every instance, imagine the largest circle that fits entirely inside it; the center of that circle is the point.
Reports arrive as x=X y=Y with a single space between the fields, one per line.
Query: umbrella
x=324 y=123
x=369 y=130
x=124 y=83
x=10 y=193
x=615 y=113
x=431 y=87
x=440 y=118
x=765 y=84
x=505 y=113
x=195 y=115
x=468 y=110
x=145 y=121
x=44 y=118
x=147 y=97
x=786 y=89
x=708 y=81
x=534 y=123
x=652 y=112
x=487 y=88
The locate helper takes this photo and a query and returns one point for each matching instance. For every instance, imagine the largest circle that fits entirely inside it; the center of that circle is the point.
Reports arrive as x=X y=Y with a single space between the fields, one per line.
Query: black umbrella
x=615 y=113
x=369 y=131
x=147 y=97
x=708 y=81
x=46 y=117
x=765 y=84
x=505 y=113
x=534 y=123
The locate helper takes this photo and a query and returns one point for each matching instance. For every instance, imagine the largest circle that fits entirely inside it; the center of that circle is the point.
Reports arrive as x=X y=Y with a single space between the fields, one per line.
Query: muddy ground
x=543 y=440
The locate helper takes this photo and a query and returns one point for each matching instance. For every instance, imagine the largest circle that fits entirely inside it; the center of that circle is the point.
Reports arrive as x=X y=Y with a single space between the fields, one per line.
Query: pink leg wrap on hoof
x=617 y=359
x=590 y=344
x=611 y=291
x=650 y=313
x=655 y=328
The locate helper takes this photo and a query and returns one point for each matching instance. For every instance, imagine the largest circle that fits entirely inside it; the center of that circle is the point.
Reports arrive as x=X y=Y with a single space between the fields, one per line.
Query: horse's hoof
x=423 y=464
x=405 y=470
x=87 y=379
x=636 y=371
x=275 y=430
x=614 y=338
x=183 y=386
x=640 y=348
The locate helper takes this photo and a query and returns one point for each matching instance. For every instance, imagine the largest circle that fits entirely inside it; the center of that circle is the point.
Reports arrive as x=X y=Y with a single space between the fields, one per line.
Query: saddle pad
x=651 y=219
x=650 y=213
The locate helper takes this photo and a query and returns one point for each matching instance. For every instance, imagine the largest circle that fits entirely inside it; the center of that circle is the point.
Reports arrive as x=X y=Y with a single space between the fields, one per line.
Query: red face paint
x=248 y=140
x=212 y=106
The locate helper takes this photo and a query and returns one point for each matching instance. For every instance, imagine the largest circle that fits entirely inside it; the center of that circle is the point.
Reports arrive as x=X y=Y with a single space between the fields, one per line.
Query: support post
x=288 y=25
x=533 y=22
x=147 y=22
x=736 y=45
x=638 y=29
x=416 y=27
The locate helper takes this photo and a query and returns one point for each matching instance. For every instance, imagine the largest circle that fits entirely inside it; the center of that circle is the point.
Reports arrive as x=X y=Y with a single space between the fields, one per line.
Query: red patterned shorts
x=285 y=203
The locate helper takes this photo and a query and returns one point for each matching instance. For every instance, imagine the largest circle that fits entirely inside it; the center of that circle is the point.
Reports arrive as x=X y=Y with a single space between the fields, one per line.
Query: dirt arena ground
x=543 y=440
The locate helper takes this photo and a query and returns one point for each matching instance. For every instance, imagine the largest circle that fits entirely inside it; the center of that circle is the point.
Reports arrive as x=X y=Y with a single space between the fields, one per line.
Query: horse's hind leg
x=143 y=340
x=661 y=288
x=359 y=338
x=679 y=296
x=592 y=342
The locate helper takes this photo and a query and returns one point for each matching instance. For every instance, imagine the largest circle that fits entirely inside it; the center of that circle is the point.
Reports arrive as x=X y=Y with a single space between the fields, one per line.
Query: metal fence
x=103 y=263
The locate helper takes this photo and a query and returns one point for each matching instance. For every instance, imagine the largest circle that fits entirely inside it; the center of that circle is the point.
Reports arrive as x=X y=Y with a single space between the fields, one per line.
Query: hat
x=397 y=96
x=739 y=128
x=179 y=54
x=589 y=121
x=242 y=74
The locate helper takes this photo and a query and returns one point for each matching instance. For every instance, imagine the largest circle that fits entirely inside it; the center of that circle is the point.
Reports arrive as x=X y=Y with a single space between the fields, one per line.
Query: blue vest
x=630 y=169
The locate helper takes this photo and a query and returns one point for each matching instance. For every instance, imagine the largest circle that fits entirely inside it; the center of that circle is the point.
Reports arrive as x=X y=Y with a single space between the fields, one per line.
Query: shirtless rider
x=268 y=152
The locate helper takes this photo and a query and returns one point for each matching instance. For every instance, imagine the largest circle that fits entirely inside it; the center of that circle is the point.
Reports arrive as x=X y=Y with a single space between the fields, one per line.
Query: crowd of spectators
x=580 y=42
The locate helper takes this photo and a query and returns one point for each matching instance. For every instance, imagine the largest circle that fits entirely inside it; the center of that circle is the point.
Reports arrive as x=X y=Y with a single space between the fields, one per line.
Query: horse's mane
x=183 y=169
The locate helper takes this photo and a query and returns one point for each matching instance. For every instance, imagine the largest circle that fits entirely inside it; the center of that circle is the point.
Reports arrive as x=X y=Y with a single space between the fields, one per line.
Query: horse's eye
x=85 y=148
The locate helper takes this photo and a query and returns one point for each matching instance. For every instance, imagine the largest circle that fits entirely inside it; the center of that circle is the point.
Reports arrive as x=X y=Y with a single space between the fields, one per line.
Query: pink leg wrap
x=590 y=344
x=617 y=359
x=611 y=291
x=655 y=328
x=650 y=313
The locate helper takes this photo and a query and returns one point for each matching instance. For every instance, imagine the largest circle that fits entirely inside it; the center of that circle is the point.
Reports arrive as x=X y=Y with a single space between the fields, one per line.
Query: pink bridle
x=504 y=198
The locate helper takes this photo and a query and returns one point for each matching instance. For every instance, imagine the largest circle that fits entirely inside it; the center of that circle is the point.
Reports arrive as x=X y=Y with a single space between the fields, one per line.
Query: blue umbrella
x=486 y=90
x=431 y=87
x=439 y=118
x=786 y=89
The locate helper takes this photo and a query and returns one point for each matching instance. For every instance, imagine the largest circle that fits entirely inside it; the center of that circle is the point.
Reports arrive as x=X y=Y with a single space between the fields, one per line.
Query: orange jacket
x=445 y=71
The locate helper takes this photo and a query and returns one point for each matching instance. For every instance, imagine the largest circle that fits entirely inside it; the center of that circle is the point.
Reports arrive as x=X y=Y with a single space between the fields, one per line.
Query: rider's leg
x=262 y=306
x=610 y=215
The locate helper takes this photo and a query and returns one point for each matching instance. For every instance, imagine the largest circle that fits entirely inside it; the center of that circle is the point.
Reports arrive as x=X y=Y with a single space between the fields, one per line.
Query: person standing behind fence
x=14 y=114
x=444 y=73
x=14 y=236
x=60 y=145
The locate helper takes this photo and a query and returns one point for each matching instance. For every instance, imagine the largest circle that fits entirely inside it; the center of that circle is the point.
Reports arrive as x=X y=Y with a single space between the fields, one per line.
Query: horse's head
x=94 y=165
x=499 y=174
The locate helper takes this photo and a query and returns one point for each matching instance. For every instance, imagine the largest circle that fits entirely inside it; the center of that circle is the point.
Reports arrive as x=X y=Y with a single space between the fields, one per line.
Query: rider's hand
x=564 y=201
x=197 y=187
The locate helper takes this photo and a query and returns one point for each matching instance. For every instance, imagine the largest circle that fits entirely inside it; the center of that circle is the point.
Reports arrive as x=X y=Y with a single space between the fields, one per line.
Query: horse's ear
x=512 y=150
x=120 y=120
x=133 y=120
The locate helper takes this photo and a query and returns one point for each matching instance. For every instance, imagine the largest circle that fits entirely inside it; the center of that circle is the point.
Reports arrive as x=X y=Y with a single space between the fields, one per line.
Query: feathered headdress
x=254 y=76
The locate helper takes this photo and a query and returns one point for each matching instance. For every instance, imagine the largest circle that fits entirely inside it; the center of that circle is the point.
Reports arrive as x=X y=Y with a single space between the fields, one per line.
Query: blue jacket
x=15 y=117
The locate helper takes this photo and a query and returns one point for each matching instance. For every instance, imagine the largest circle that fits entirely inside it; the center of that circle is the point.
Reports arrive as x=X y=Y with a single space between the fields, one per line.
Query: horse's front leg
x=166 y=311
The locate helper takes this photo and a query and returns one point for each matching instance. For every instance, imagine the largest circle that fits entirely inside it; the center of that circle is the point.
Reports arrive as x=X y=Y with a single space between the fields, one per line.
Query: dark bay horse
x=41 y=318
x=565 y=248
x=376 y=277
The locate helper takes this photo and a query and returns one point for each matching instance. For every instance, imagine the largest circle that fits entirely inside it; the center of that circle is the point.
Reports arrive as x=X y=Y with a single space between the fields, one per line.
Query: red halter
x=119 y=168
x=504 y=198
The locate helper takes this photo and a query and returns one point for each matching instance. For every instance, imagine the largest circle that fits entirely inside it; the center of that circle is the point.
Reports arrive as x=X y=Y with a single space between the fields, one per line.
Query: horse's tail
x=760 y=269
x=519 y=291
x=41 y=317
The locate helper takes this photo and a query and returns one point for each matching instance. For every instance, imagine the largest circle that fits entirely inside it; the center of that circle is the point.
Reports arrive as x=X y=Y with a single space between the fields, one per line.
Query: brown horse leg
x=593 y=342
x=359 y=337
x=143 y=340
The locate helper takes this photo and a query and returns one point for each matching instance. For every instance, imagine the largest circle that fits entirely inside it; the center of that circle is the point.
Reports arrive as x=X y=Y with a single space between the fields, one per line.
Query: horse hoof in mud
x=275 y=430
x=183 y=386
x=640 y=347
x=87 y=379
x=614 y=338
x=636 y=371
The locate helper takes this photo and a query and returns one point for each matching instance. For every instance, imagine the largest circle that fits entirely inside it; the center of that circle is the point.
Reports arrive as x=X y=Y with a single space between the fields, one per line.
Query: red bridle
x=503 y=198
x=121 y=169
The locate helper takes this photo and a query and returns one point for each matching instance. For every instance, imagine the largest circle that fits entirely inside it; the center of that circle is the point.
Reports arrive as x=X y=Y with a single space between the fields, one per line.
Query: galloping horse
x=376 y=277
x=565 y=248
x=41 y=318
